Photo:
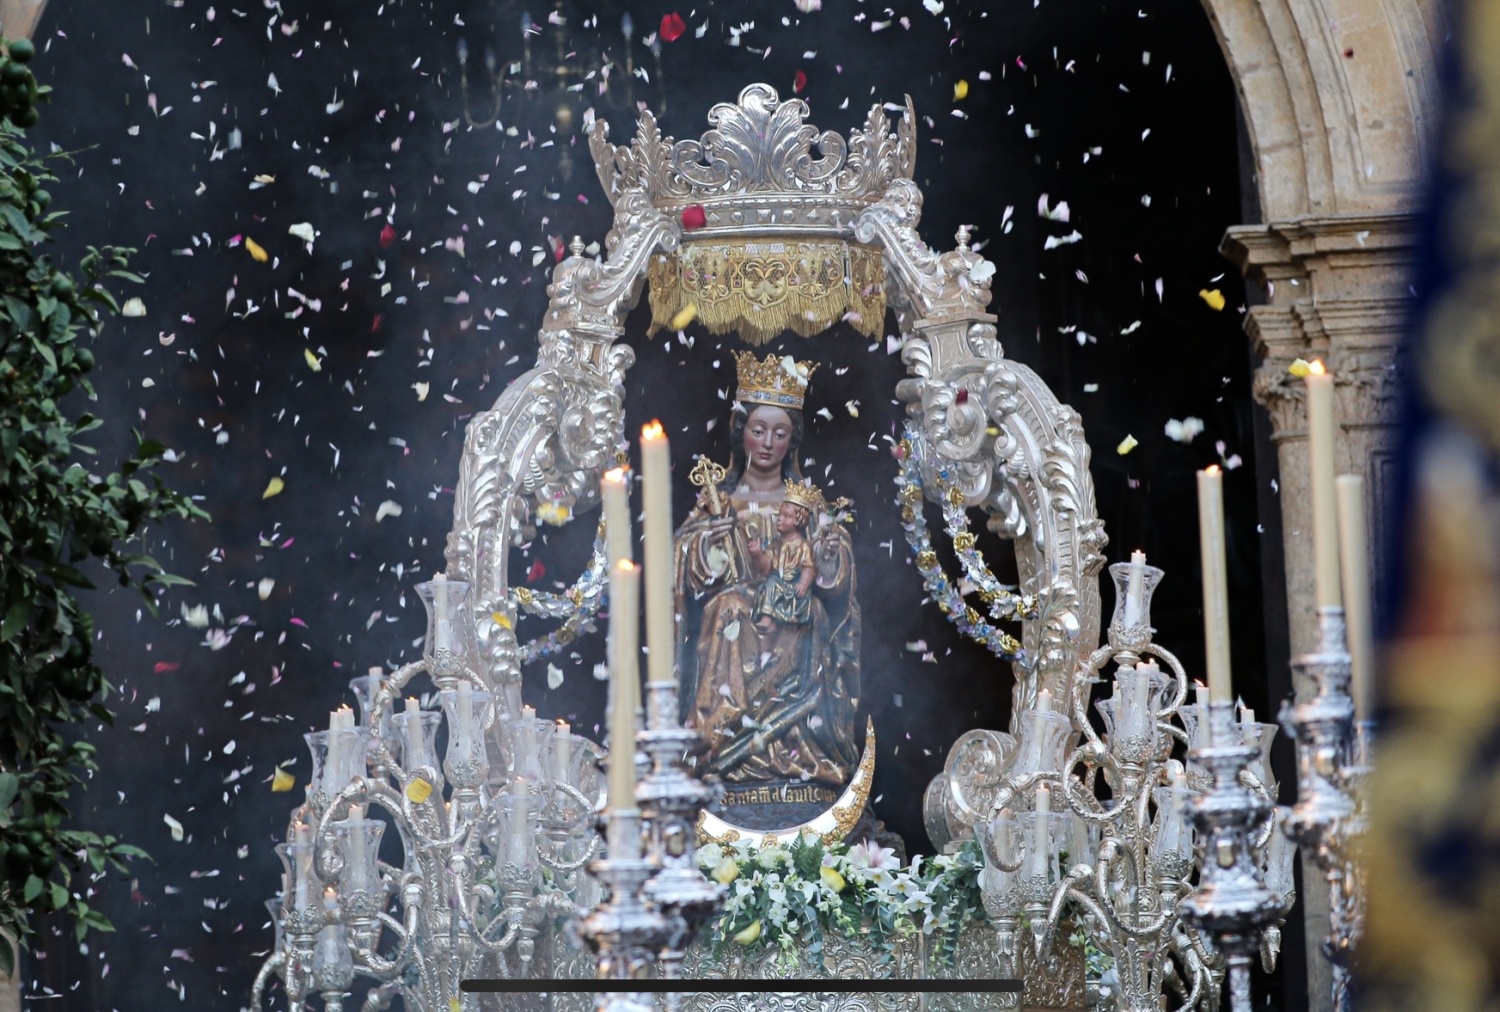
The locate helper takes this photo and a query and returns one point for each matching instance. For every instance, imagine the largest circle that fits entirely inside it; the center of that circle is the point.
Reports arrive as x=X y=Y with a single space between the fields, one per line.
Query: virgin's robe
x=779 y=707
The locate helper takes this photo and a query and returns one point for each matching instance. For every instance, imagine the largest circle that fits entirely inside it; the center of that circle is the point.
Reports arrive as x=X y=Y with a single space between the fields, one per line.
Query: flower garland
x=1003 y=602
x=790 y=898
x=576 y=606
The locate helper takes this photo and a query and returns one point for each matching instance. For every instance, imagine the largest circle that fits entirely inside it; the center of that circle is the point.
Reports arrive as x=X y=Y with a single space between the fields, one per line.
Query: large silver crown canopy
x=762 y=168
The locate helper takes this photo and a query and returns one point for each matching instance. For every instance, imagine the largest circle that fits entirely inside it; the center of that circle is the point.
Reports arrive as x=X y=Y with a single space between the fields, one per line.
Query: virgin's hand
x=716 y=528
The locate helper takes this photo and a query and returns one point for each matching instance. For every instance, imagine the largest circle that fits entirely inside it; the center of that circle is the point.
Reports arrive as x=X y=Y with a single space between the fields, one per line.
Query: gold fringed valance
x=760 y=288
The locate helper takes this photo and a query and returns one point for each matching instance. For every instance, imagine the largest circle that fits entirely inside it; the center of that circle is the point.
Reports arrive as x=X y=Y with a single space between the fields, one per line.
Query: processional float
x=1084 y=824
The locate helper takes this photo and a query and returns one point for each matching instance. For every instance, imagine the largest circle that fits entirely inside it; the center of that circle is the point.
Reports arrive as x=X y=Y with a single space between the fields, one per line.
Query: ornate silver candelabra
x=491 y=836
x=671 y=799
x=658 y=898
x=1333 y=764
x=626 y=931
x=1232 y=903
x=1123 y=865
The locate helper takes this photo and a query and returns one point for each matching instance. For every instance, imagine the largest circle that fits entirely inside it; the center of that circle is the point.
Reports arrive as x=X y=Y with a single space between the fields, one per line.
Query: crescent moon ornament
x=831 y=825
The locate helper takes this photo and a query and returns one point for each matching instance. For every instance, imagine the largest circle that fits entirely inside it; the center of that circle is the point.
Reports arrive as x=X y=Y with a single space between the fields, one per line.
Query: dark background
x=149 y=97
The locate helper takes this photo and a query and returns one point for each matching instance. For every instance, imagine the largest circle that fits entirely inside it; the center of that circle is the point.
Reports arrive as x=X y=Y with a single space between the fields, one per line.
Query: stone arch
x=1338 y=99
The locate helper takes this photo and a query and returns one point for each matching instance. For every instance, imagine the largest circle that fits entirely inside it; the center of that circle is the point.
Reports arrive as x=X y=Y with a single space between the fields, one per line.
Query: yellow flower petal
x=1126 y=445
x=726 y=871
x=282 y=781
x=257 y=251
x=500 y=619
x=831 y=878
x=418 y=791
x=686 y=315
x=313 y=362
x=273 y=487
x=749 y=935
x=1213 y=297
x=960 y=90
x=1300 y=368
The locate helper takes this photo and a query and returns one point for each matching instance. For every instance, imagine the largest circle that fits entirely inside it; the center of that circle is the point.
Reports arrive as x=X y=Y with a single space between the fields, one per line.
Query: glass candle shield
x=333 y=964
x=515 y=840
x=358 y=841
x=307 y=888
x=1195 y=722
x=1139 y=618
x=450 y=629
x=1171 y=834
x=1041 y=845
x=1044 y=744
x=528 y=743
x=365 y=689
x=1134 y=737
x=468 y=711
x=417 y=733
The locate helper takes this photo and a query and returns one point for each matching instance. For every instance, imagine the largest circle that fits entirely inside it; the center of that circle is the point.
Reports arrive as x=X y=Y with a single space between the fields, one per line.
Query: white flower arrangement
x=788 y=898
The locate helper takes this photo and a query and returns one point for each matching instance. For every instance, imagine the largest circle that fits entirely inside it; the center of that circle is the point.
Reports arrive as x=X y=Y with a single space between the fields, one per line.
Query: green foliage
x=55 y=516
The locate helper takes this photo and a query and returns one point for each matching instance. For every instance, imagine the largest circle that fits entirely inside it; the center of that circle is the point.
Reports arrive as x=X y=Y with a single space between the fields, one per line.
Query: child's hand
x=802 y=590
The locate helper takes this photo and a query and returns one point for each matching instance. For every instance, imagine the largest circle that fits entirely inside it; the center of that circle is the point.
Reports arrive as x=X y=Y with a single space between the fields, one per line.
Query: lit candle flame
x=1211 y=469
x=616 y=475
x=626 y=566
x=653 y=430
x=1316 y=367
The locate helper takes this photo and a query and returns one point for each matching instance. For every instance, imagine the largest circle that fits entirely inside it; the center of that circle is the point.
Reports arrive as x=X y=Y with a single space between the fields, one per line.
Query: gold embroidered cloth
x=762 y=288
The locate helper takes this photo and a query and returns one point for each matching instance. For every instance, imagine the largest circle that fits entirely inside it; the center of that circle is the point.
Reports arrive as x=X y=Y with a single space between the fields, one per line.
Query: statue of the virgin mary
x=770 y=657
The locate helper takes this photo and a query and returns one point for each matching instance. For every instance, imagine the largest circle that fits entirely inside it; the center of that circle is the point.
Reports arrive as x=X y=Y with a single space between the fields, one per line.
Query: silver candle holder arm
x=1333 y=767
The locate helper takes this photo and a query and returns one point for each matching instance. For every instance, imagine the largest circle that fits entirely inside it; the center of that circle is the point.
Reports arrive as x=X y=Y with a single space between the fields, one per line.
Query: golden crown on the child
x=780 y=381
x=804 y=494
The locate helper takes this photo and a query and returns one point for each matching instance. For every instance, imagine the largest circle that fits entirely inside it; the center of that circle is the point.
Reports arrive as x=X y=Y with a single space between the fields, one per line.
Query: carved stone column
x=1336 y=288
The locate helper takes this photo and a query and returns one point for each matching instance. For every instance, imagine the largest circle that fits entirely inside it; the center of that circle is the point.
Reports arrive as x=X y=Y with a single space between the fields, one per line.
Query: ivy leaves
x=58 y=520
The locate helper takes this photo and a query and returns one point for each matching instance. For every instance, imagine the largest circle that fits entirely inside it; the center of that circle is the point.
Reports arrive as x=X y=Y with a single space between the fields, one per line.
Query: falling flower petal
x=960 y=87
x=256 y=250
x=418 y=791
x=554 y=676
x=313 y=362
x=693 y=217
x=133 y=307
x=672 y=27
x=273 y=487
x=1300 y=368
x=686 y=315
x=1126 y=445
x=174 y=826
x=282 y=781
x=1213 y=297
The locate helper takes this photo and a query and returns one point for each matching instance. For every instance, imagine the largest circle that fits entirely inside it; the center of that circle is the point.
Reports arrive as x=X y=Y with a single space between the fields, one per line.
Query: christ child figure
x=787 y=565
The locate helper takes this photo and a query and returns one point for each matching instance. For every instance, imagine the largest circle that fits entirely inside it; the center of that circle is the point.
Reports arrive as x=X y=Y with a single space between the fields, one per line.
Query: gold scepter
x=707 y=475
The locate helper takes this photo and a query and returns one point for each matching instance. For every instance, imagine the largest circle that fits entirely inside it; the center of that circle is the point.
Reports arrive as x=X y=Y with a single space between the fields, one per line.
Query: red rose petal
x=672 y=27
x=387 y=236
x=799 y=82
x=693 y=217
